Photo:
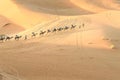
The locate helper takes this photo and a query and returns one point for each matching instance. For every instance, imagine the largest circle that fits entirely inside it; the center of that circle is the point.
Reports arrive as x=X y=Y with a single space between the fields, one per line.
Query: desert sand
x=89 y=52
x=8 y=27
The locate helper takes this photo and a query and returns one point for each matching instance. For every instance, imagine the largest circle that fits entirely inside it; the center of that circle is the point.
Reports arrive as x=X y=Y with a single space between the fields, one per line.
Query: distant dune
x=29 y=13
x=60 y=40
x=8 y=27
x=97 y=5
x=55 y=7
x=81 y=6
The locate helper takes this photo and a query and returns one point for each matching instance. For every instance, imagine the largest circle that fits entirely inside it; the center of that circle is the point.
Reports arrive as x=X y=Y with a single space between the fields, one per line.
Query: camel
x=73 y=26
x=48 y=31
x=83 y=25
x=2 y=37
x=17 y=37
x=66 y=28
x=8 y=38
x=54 y=30
x=60 y=29
x=34 y=34
x=42 y=32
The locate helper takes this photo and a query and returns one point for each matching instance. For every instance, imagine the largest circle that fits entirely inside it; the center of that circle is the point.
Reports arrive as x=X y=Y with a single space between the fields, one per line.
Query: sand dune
x=97 y=6
x=87 y=5
x=59 y=7
x=71 y=55
x=22 y=16
x=30 y=13
x=3 y=21
x=87 y=53
x=8 y=27
x=11 y=28
x=57 y=56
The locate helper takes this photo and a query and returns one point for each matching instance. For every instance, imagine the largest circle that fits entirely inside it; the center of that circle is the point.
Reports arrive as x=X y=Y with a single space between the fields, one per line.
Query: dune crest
x=9 y=27
x=97 y=5
x=62 y=40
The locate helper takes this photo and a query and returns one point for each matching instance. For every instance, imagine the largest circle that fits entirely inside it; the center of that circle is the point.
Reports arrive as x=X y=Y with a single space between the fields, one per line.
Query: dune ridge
x=9 y=27
x=91 y=52
x=29 y=10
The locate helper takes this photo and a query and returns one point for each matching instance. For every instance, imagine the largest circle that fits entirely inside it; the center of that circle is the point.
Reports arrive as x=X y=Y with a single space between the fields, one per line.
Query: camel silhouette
x=73 y=26
x=2 y=37
x=8 y=38
x=34 y=34
x=17 y=37
x=42 y=32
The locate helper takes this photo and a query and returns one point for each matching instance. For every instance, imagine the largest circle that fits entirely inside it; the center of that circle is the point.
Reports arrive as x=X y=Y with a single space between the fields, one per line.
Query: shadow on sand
x=64 y=8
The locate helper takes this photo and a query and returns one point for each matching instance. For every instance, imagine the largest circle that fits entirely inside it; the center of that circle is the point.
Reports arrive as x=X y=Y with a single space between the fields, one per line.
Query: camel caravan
x=4 y=37
x=7 y=38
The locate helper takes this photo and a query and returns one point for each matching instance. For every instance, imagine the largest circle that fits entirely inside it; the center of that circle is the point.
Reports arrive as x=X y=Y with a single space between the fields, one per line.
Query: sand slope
x=79 y=54
x=23 y=17
x=97 y=6
x=8 y=27
x=88 y=53
x=29 y=12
